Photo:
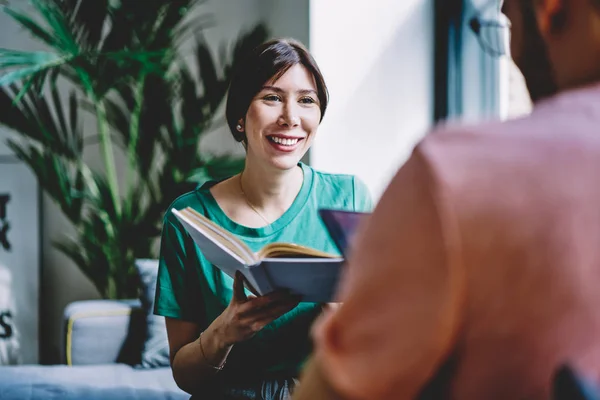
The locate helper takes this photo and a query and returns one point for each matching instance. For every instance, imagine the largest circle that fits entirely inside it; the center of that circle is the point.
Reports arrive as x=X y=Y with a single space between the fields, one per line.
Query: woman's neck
x=272 y=191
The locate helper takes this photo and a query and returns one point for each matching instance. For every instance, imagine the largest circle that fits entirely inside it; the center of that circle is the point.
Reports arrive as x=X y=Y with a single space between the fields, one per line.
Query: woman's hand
x=247 y=315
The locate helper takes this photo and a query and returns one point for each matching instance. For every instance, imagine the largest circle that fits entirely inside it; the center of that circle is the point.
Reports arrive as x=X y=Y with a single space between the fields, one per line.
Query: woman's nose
x=289 y=116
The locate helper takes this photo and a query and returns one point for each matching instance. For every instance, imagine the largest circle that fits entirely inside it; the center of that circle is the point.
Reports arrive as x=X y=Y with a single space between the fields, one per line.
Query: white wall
x=378 y=63
x=287 y=18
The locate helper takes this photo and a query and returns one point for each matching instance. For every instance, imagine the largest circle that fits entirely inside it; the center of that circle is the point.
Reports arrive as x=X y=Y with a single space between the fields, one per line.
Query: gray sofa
x=102 y=349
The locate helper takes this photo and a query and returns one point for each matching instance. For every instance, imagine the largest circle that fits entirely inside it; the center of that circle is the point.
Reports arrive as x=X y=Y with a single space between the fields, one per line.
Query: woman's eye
x=307 y=100
x=271 y=97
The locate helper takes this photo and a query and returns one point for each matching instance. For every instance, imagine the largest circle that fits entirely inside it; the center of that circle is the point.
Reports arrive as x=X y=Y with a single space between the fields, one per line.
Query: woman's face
x=283 y=118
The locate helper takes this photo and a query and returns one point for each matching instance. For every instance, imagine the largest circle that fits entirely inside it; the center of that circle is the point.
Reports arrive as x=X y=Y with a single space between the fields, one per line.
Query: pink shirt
x=482 y=257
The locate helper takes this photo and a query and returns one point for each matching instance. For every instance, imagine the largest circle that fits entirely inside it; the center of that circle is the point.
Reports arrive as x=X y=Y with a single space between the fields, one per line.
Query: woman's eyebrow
x=308 y=91
x=280 y=90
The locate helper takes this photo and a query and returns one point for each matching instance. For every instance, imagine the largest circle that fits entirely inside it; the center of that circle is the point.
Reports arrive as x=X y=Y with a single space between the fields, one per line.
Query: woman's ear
x=239 y=133
x=240 y=125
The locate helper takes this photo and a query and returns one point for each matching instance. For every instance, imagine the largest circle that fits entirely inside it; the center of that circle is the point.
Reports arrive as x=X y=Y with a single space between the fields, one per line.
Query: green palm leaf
x=31 y=25
x=59 y=25
x=217 y=168
x=55 y=175
x=33 y=63
x=34 y=119
x=87 y=21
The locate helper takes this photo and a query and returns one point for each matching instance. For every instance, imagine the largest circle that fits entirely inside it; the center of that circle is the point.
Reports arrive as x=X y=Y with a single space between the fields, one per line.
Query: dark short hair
x=268 y=61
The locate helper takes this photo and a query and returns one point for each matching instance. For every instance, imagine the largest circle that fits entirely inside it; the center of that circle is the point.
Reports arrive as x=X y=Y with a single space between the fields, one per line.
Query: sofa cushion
x=104 y=332
x=97 y=382
x=155 y=352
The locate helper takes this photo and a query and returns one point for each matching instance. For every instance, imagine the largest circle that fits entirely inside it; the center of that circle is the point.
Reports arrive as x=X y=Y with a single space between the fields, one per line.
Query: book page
x=274 y=250
x=213 y=250
x=224 y=237
x=234 y=246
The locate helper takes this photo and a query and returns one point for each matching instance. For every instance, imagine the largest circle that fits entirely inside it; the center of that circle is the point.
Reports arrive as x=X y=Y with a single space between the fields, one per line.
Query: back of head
x=555 y=43
x=265 y=63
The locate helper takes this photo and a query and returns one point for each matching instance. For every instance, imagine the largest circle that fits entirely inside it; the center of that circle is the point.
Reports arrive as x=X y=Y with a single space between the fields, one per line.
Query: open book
x=311 y=273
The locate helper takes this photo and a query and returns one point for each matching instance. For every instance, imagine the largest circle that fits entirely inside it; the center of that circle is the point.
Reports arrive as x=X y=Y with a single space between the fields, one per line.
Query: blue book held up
x=308 y=272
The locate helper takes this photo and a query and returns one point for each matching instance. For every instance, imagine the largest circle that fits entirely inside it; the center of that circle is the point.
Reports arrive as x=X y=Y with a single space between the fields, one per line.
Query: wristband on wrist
x=216 y=368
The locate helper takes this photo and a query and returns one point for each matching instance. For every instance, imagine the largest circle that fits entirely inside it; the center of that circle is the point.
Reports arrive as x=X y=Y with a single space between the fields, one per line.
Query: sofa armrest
x=103 y=332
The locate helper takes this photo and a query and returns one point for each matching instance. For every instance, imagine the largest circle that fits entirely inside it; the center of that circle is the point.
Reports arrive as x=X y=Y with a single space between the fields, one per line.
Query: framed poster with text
x=20 y=247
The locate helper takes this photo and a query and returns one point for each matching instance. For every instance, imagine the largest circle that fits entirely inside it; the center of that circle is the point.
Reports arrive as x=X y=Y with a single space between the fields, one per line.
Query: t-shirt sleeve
x=399 y=294
x=176 y=296
x=363 y=202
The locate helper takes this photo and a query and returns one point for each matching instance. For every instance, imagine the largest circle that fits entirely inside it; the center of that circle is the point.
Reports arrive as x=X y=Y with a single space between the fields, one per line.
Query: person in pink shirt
x=478 y=274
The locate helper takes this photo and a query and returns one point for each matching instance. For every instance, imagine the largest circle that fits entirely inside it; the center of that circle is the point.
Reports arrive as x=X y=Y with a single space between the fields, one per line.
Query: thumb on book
x=238 y=287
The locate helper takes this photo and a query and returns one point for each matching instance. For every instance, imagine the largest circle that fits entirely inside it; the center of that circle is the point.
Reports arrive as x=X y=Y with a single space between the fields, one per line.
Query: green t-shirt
x=192 y=289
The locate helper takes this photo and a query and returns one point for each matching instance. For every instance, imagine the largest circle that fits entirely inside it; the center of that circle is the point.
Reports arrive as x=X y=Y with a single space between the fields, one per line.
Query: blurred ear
x=550 y=15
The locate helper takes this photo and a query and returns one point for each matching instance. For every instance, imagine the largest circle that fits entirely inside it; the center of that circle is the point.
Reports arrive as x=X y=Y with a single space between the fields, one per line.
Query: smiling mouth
x=284 y=141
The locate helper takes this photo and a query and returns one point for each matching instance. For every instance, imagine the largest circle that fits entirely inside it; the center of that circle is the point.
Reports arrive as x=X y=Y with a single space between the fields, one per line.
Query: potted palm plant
x=121 y=64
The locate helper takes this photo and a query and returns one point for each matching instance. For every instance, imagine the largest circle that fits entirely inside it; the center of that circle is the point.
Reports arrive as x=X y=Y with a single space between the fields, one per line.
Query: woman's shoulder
x=345 y=182
x=198 y=199
x=329 y=177
x=347 y=188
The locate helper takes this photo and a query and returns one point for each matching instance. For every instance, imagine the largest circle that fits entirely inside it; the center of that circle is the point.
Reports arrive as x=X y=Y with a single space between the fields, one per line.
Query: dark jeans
x=277 y=389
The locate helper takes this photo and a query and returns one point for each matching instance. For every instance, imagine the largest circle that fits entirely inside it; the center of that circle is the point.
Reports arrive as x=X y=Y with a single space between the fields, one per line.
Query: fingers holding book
x=246 y=315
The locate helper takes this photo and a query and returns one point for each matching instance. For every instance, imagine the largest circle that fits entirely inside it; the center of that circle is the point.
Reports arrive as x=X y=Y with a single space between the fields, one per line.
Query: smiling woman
x=282 y=119
x=275 y=104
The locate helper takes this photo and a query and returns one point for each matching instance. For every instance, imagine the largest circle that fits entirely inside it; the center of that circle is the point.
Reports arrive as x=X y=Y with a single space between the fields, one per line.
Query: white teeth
x=282 y=141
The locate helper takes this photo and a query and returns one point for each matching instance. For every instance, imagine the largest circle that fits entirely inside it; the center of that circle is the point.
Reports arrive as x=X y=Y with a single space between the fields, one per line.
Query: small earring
x=239 y=127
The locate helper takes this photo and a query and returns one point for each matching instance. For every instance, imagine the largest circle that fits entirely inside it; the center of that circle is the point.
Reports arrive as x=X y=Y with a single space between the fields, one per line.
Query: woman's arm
x=190 y=368
x=197 y=356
